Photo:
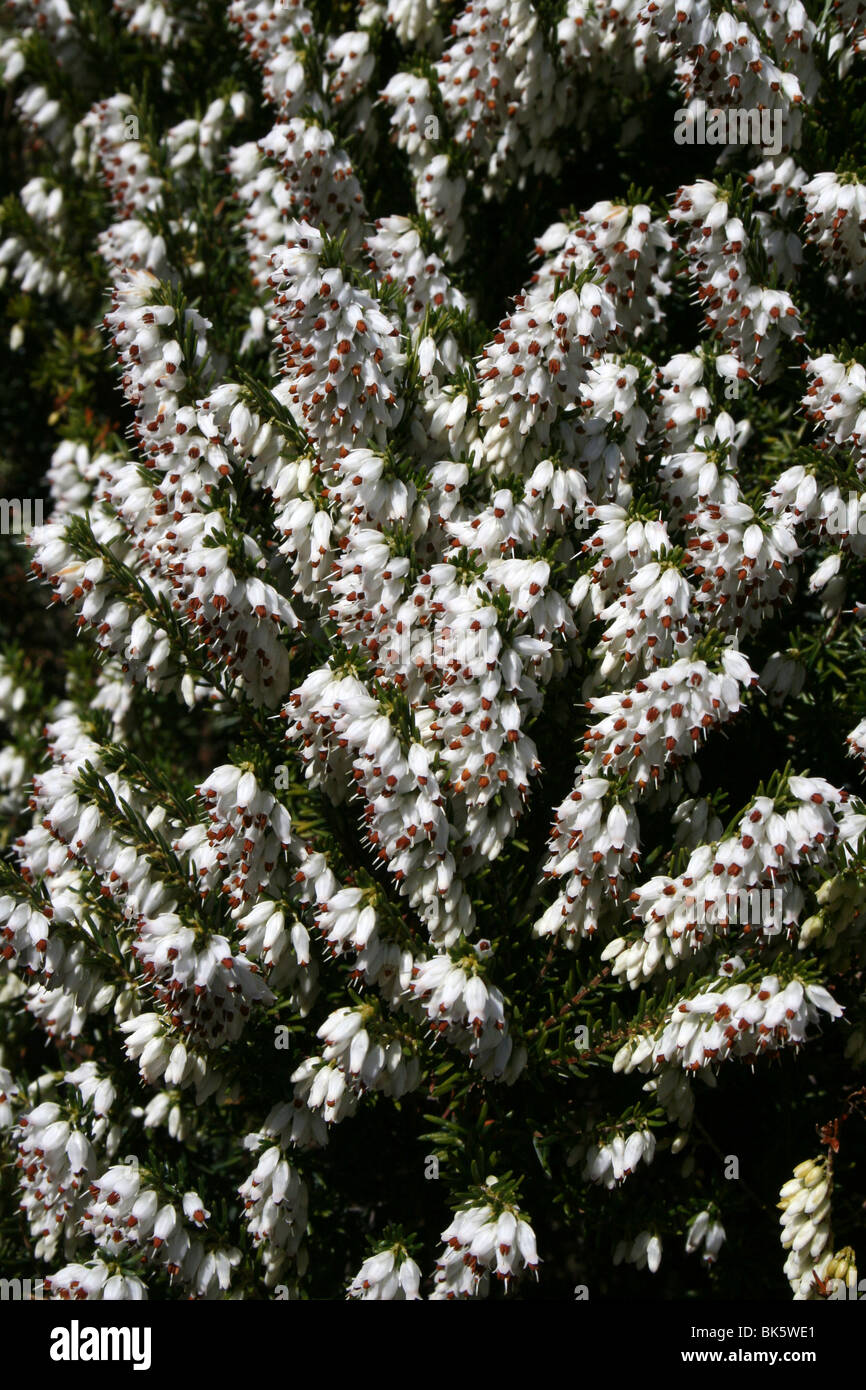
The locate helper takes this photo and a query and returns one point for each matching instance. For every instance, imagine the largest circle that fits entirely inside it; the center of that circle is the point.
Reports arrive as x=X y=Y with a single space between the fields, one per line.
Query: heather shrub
x=432 y=680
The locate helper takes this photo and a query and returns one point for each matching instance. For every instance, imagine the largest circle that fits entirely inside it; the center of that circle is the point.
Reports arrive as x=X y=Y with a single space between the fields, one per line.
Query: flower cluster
x=743 y=1019
x=486 y=1237
x=805 y=1204
x=387 y=1276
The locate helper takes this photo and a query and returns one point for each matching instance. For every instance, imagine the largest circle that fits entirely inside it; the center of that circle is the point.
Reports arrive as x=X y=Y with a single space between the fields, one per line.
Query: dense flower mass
x=433 y=798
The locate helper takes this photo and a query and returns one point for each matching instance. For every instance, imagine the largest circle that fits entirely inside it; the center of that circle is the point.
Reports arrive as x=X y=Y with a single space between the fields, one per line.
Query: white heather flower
x=54 y=1161
x=275 y=32
x=664 y=717
x=644 y=1252
x=628 y=246
x=329 y=328
x=536 y=365
x=751 y=320
x=194 y=1209
x=489 y=1238
x=613 y=1161
x=805 y=1204
x=748 y=881
x=834 y=401
x=398 y=257
x=93 y=1281
x=275 y=1209
x=593 y=846
x=318 y=182
x=9 y=1094
x=705 y=1233
x=738 y=1019
x=389 y=1275
x=468 y=1010
x=834 y=211
x=367 y=1053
